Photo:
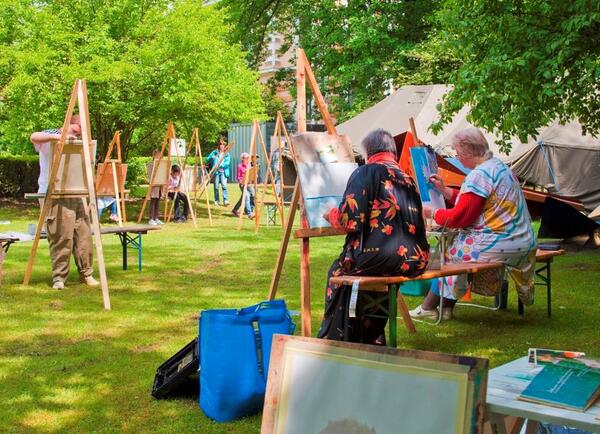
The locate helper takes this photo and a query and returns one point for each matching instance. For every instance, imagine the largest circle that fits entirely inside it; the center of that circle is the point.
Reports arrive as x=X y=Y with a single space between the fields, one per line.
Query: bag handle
x=258 y=347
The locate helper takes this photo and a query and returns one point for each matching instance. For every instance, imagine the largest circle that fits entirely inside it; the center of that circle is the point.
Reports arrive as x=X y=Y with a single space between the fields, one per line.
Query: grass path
x=66 y=365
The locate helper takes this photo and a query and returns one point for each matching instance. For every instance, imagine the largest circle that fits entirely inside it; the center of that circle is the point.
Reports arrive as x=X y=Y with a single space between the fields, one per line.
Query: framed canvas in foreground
x=329 y=387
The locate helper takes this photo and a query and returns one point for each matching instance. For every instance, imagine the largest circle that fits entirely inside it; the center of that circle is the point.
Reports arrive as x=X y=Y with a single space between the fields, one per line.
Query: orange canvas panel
x=405 y=162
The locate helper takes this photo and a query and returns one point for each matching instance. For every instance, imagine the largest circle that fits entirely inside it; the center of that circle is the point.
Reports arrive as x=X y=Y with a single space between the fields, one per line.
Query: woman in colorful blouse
x=381 y=213
x=494 y=225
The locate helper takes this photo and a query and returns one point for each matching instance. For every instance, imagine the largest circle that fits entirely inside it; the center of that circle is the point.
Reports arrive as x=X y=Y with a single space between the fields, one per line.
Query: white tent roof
x=419 y=102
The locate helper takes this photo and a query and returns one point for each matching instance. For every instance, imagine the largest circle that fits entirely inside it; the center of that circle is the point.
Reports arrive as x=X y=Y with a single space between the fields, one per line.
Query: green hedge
x=18 y=175
x=137 y=173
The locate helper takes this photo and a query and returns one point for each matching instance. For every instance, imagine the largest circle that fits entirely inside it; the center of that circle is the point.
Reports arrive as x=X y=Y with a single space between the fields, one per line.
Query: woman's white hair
x=473 y=141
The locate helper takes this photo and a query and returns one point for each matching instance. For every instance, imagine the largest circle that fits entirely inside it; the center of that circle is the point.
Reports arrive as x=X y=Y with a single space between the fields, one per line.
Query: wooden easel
x=170 y=134
x=83 y=149
x=280 y=130
x=183 y=183
x=117 y=175
x=303 y=71
x=199 y=162
x=252 y=171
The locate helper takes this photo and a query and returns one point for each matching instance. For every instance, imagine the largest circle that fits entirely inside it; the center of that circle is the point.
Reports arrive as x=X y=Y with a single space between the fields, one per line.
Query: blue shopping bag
x=235 y=346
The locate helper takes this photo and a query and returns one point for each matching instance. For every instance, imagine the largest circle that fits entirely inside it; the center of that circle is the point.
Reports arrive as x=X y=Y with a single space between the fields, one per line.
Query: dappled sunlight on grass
x=66 y=365
x=50 y=420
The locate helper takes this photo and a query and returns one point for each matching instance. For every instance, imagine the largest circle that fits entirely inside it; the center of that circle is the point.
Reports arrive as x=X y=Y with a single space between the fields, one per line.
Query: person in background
x=242 y=168
x=105 y=202
x=381 y=214
x=155 y=194
x=222 y=173
x=276 y=170
x=491 y=215
x=182 y=208
x=68 y=219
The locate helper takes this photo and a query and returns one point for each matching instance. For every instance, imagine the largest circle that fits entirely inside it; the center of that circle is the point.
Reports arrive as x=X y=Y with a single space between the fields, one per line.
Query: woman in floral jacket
x=381 y=212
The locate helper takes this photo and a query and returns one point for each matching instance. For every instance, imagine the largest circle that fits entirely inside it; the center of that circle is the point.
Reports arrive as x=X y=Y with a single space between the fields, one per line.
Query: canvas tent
x=565 y=159
x=420 y=103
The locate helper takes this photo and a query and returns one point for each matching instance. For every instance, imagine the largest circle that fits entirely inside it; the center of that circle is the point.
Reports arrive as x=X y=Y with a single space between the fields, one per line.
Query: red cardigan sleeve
x=454 y=196
x=465 y=212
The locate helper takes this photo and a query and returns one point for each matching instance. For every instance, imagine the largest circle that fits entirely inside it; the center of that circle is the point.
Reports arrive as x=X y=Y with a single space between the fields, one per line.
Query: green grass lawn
x=67 y=365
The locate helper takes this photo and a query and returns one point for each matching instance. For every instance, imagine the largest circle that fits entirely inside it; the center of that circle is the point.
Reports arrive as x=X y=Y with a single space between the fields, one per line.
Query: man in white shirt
x=68 y=220
x=42 y=142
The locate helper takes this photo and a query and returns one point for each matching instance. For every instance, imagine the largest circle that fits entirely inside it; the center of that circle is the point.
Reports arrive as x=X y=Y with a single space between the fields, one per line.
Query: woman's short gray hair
x=473 y=141
x=379 y=141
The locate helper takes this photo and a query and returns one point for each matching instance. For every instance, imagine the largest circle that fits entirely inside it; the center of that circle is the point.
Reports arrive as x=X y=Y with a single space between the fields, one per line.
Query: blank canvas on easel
x=70 y=172
x=163 y=170
x=189 y=180
x=105 y=185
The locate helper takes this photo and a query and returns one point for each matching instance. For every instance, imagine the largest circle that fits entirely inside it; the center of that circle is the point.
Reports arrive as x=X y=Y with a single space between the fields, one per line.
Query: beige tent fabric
x=574 y=157
x=391 y=114
x=564 y=157
x=419 y=102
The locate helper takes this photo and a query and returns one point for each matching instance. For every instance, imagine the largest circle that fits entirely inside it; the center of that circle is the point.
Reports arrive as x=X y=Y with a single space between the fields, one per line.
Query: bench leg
x=139 y=243
x=1 y=261
x=501 y=299
x=545 y=280
x=549 y=290
x=392 y=315
x=124 y=243
x=520 y=307
x=408 y=322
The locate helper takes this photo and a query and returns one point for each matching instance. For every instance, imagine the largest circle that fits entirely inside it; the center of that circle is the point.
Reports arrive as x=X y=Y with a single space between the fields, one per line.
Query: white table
x=505 y=384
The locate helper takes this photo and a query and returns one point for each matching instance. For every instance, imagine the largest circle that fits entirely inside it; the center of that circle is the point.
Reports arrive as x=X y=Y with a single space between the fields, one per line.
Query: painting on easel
x=323 y=187
x=322 y=148
x=424 y=166
x=324 y=163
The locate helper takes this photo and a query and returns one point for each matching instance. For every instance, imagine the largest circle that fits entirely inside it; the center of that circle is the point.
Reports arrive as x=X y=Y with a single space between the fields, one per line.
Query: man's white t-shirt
x=45 y=149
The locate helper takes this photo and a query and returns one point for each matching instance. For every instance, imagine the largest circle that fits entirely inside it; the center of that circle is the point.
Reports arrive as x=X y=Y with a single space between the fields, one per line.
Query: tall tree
x=524 y=63
x=145 y=63
x=359 y=48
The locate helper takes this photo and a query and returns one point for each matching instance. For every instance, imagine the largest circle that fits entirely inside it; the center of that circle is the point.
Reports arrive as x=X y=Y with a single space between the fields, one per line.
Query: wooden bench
x=543 y=277
x=123 y=232
x=33 y=196
x=389 y=287
x=271 y=206
x=127 y=240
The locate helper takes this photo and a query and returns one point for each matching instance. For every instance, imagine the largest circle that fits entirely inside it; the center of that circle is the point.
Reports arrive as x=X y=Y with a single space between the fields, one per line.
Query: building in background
x=276 y=61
